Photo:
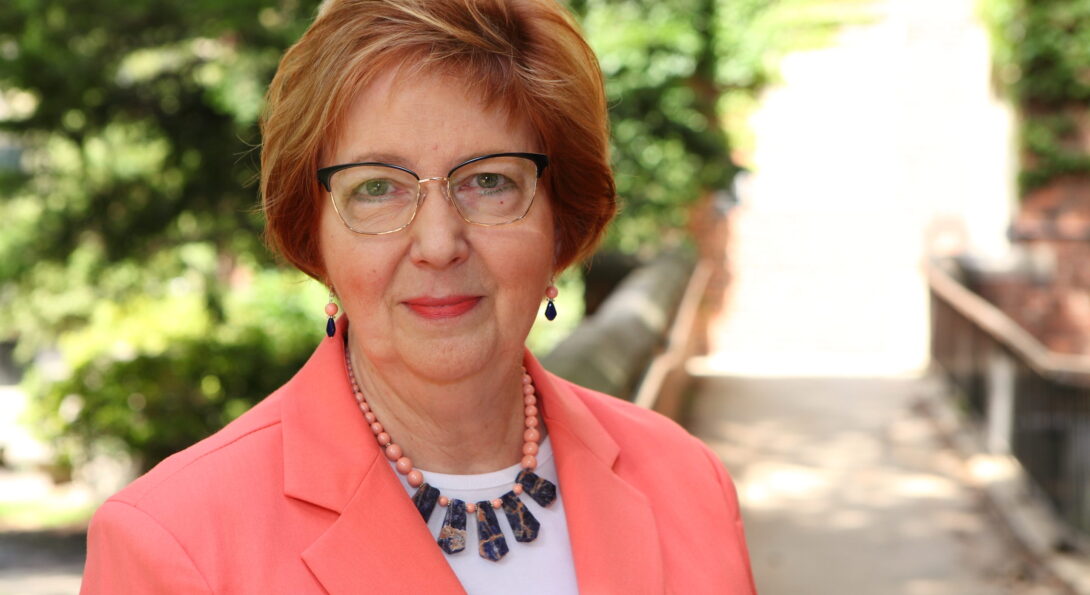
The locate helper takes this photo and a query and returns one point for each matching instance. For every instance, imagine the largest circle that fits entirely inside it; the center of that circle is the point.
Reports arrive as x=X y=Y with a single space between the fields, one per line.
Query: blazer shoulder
x=206 y=458
x=131 y=552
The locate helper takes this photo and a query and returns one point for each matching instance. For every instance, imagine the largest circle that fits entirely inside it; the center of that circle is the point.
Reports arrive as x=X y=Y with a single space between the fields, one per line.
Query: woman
x=436 y=163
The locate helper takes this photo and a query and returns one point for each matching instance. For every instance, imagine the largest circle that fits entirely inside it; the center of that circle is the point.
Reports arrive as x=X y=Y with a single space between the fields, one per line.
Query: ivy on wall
x=1041 y=52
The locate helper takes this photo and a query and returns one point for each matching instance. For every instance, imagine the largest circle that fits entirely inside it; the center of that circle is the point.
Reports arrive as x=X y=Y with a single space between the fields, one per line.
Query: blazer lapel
x=331 y=460
x=378 y=543
x=614 y=538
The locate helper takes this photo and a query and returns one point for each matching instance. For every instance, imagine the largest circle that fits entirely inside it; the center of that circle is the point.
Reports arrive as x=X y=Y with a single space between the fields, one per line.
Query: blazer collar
x=611 y=524
x=331 y=460
x=328 y=447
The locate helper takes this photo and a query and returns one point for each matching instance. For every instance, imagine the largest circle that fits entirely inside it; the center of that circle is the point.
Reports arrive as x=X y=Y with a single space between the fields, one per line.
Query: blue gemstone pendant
x=540 y=489
x=522 y=522
x=330 y=327
x=425 y=499
x=452 y=537
x=491 y=544
x=550 y=310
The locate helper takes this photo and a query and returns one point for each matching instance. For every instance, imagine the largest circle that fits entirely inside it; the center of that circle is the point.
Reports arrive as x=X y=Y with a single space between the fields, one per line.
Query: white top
x=543 y=566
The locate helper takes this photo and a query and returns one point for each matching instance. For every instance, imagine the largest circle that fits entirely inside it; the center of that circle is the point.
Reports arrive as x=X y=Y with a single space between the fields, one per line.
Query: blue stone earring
x=331 y=311
x=550 y=309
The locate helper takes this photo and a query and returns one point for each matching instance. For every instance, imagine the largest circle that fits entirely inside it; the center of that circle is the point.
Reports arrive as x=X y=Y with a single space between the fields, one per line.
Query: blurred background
x=851 y=257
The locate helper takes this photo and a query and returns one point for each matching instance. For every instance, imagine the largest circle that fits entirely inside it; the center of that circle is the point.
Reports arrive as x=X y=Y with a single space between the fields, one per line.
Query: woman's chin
x=446 y=349
x=450 y=358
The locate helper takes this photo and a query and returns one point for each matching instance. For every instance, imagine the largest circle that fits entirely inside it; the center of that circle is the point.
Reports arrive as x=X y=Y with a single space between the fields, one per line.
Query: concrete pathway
x=846 y=488
x=41 y=562
x=816 y=396
x=32 y=561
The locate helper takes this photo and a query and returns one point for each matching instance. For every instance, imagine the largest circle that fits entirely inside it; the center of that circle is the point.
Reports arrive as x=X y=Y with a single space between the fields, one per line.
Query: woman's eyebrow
x=402 y=161
x=390 y=158
x=492 y=151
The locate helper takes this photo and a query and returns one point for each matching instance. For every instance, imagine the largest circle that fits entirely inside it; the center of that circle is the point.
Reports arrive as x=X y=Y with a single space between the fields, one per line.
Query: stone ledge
x=611 y=350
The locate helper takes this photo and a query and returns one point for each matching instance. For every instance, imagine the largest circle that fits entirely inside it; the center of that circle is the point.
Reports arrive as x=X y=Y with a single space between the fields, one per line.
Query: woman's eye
x=489 y=180
x=488 y=183
x=376 y=187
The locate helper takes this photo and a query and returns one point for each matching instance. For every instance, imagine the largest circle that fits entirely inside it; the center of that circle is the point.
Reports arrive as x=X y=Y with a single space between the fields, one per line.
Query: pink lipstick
x=444 y=307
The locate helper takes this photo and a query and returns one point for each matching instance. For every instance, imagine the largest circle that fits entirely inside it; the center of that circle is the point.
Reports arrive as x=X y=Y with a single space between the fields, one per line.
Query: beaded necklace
x=452 y=536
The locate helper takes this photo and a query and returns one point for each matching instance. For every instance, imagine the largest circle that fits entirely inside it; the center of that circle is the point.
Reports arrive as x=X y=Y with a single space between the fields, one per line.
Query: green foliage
x=812 y=24
x=157 y=376
x=1042 y=59
x=43 y=513
x=131 y=241
x=665 y=70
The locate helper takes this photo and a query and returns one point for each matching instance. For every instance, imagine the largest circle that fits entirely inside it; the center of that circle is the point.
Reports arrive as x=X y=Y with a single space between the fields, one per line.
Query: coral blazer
x=295 y=497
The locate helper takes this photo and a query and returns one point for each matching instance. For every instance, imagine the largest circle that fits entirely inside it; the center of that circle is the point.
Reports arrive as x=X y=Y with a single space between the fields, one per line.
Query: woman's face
x=443 y=297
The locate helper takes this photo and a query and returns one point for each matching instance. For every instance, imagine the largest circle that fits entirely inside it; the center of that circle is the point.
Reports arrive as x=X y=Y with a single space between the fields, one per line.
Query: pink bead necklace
x=492 y=544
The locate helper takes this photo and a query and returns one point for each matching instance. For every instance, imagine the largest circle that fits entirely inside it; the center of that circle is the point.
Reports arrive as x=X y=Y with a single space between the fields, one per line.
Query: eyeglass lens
x=380 y=198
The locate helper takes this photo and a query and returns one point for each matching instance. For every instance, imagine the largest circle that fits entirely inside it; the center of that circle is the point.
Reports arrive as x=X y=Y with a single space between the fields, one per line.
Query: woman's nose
x=438 y=230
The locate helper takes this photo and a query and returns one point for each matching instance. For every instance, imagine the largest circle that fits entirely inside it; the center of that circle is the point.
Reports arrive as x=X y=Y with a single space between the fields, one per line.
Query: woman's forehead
x=429 y=116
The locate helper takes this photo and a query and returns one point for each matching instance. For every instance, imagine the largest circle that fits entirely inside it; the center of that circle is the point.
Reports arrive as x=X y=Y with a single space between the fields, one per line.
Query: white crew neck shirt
x=542 y=566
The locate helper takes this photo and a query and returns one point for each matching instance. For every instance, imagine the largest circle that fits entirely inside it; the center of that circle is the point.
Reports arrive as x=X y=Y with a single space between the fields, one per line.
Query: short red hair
x=526 y=56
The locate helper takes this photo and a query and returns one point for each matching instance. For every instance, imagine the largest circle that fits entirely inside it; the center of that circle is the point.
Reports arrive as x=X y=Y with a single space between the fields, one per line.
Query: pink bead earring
x=550 y=309
x=331 y=310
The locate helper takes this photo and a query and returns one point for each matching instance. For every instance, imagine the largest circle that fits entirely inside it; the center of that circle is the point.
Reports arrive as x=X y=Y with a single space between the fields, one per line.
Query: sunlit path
x=868 y=151
x=868 y=155
x=846 y=488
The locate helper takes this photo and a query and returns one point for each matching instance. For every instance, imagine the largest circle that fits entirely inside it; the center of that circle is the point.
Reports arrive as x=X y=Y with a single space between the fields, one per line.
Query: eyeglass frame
x=325 y=174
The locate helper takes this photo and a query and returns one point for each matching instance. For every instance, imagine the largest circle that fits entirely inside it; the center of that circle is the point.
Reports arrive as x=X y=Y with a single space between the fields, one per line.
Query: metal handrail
x=1059 y=367
x=1032 y=403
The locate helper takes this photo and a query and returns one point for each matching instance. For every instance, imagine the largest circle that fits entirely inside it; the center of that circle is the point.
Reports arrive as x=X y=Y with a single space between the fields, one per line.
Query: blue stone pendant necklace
x=452 y=536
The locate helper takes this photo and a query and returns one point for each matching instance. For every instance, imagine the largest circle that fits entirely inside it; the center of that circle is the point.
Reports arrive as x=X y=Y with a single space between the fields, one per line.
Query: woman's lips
x=445 y=307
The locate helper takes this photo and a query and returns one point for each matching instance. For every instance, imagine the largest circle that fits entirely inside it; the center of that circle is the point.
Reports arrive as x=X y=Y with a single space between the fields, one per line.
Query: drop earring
x=550 y=309
x=331 y=311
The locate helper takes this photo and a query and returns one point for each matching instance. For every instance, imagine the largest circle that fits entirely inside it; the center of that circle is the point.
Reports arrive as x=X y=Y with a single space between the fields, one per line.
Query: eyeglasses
x=379 y=198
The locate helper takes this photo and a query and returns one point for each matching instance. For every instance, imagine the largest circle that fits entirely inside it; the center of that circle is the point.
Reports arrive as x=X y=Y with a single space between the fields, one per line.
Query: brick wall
x=1052 y=299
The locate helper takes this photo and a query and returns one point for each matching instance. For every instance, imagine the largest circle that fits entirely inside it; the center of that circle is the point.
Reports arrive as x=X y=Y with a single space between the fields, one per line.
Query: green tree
x=666 y=67
x=131 y=241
